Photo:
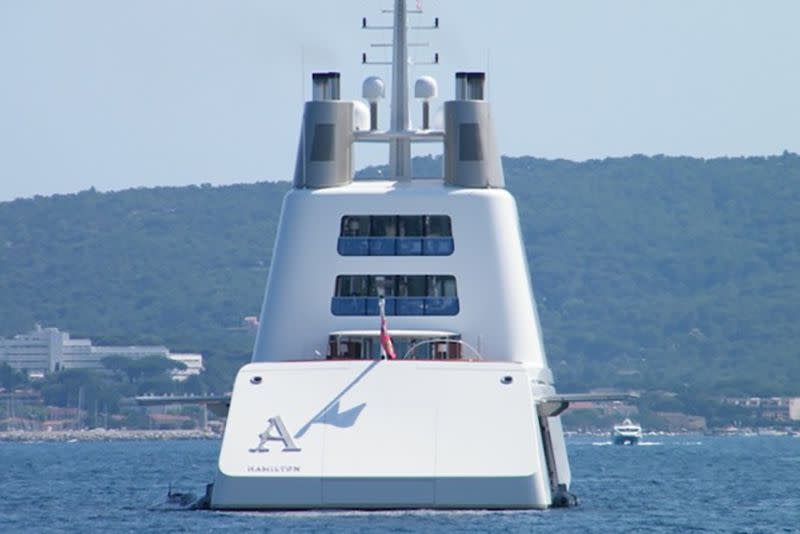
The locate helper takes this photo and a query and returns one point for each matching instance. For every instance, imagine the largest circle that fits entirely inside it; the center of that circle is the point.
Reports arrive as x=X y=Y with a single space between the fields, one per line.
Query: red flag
x=387 y=349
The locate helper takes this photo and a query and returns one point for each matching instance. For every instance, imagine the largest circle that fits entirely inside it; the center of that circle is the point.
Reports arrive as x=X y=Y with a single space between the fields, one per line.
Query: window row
x=395 y=235
x=395 y=246
x=413 y=285
x=416 y=347
x=403 y=294
x=396 y=226
x=356 y=306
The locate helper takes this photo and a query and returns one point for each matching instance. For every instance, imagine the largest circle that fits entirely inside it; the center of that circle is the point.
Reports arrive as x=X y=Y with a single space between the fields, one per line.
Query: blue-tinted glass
x=378 y=231
x=372 y=306
x=409 y=306
x=409 y=246
x=437 y=246
x=382 y=246
x=441 y=306
x=410 y=226
x=353 y=246
x=348 y=306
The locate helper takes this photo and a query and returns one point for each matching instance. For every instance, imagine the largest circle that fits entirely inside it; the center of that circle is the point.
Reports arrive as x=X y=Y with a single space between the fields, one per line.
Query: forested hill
x=670 y=273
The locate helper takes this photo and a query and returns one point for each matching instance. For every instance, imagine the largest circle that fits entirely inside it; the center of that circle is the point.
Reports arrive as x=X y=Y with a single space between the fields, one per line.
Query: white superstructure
x=192 y=361
x=627 y=433
x=467 y=416
x=794 y=409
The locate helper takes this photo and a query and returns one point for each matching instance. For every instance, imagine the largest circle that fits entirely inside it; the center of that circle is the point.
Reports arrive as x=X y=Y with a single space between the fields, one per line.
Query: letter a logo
x=276 y=431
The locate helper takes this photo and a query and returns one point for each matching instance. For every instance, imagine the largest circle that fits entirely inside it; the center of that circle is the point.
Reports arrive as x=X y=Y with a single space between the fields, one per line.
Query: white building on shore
x=193 y=363
x=46 y=350
x=794 y=409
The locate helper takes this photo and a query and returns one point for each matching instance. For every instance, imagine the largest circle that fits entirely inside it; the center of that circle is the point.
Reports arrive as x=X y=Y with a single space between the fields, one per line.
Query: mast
x=399 y=147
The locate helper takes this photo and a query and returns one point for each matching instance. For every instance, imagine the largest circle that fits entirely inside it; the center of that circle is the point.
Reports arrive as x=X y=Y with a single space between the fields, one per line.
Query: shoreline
x=103 y=434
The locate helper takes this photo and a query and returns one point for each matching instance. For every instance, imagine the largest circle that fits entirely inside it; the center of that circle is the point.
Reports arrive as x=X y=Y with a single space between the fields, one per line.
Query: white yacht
x=627 y=433
x=458 y=408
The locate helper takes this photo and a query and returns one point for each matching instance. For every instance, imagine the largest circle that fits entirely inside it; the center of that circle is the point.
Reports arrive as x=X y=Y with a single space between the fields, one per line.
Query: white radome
x=373 y=89
x=426 y=88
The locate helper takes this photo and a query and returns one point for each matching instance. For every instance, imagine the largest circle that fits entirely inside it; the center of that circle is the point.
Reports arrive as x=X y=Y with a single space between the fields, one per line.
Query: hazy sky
x=116 y=94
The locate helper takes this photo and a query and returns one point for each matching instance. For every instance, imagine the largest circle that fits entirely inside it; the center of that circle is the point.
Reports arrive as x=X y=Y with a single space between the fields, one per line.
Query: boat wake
x=640 y=444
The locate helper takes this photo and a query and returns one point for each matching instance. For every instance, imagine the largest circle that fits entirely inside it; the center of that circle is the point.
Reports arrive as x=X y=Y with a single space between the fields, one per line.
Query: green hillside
x=666 y=273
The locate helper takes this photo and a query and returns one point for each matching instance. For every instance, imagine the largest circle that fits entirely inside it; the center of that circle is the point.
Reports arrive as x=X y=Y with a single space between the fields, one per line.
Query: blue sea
x=669 y=484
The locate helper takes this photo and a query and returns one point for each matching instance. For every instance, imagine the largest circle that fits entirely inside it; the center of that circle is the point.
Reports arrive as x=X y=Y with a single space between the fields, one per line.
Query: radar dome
x=373 y=89
x=426 y=88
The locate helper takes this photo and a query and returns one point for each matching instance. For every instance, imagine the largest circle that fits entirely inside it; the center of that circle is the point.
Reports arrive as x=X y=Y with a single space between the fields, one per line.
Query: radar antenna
x=400 y=145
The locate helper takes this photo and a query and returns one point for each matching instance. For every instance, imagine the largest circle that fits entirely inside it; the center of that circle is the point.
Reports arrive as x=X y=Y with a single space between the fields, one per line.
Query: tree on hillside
x=649 y=272
x=142 y=369
x=74 y=387
x=10 y=378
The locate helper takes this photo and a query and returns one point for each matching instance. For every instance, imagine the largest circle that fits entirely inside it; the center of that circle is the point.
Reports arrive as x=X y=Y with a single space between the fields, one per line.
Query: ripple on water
x=676 y=485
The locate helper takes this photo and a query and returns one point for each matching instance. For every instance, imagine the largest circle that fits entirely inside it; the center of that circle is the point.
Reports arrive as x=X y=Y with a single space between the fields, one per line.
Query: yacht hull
x=377 y=493
x=388 y=435
x=626 y=440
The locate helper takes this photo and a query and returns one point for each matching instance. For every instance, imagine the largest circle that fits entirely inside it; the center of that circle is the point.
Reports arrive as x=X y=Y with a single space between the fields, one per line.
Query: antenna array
x=400 y=146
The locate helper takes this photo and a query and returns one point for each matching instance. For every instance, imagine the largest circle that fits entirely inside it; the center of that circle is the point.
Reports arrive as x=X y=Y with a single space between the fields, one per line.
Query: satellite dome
x=426 y=88
x=373 y=89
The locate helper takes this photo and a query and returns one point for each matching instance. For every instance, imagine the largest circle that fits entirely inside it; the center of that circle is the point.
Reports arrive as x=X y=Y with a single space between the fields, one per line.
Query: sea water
x=668 y=484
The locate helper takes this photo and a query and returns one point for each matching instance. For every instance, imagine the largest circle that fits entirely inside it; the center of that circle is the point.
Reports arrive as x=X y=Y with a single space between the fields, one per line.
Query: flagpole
x=387 y=349
x=382 y=309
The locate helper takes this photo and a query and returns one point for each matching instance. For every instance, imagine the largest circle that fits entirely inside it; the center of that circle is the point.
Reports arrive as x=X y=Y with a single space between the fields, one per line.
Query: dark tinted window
x=355 y=226
x=392 y=226
x=437 y=226
x=410 y=226
x=383 y=226
x=411 y=286
x=348 y=347
x=322 y=148
x=352 y=286
x=469 y=142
